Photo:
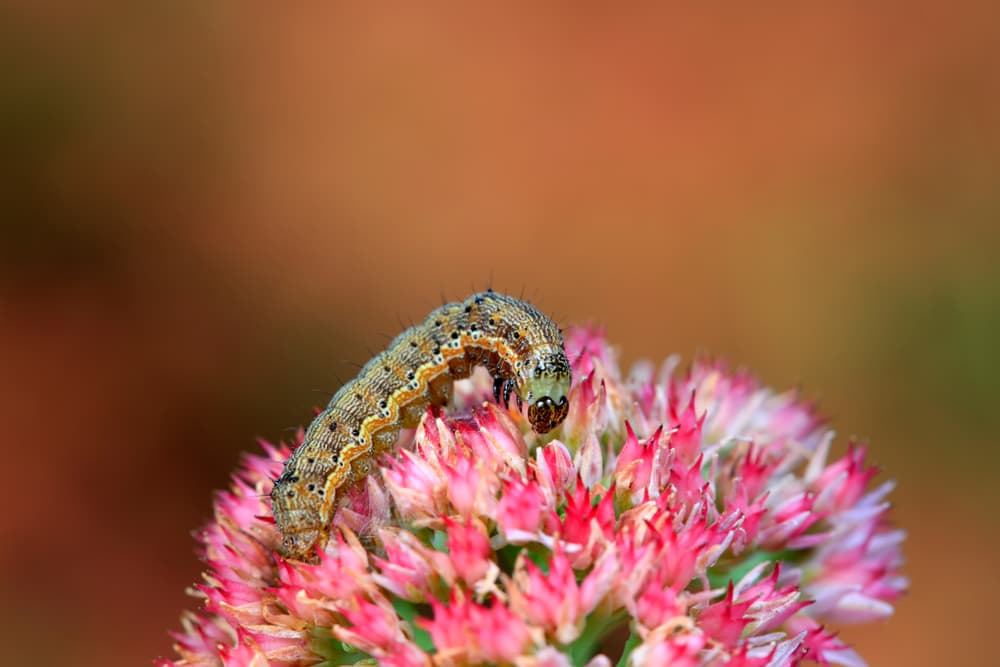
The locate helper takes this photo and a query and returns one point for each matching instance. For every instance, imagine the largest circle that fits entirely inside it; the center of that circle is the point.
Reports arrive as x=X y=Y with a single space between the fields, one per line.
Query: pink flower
x=519 y=511
x=465 y=632
x=469 y=550
x=588 y=525
x=698 y=511
x=680 y=649
x=409 y=569
x=554 y=600
x=372 y=625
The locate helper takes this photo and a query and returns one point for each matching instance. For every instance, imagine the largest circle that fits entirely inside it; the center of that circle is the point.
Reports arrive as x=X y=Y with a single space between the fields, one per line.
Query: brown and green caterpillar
x=520 y=347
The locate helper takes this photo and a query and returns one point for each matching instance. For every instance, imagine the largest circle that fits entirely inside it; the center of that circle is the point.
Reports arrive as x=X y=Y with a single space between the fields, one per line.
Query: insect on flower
x=520 y=347
x=696 y=512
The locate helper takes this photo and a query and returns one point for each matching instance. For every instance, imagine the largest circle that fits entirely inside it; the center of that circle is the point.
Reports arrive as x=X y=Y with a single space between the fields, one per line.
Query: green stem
x=595 y=629
x=630 y=644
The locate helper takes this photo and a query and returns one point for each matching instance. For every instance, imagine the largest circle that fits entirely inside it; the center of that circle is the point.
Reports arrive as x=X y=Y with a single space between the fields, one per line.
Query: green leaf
x=410 y=612
x=720 y=577
x=594 y=631
x=440 y=541
x=506 y=556
x=335 y=651
x=630 y=644
x=540 y=555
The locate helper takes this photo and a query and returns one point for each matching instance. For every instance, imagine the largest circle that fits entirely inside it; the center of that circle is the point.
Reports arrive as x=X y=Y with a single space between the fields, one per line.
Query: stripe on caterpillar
x=520 y=347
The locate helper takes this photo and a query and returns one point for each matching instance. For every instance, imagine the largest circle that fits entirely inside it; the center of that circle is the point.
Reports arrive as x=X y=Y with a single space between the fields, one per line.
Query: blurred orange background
x=211 y=211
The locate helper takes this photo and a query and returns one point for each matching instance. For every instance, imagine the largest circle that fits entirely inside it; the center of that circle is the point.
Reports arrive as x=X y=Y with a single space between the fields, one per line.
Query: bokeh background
x=211 y=211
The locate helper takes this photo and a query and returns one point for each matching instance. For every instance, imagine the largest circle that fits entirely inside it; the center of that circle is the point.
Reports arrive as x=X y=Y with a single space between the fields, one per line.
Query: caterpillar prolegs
x=520 y=347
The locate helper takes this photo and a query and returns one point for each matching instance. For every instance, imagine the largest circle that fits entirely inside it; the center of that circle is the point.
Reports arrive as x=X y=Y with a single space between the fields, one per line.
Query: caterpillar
x=520 y=347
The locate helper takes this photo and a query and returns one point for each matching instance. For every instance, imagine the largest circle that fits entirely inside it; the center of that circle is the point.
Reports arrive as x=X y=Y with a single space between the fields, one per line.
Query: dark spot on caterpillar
x=413 y=343
x=356 y=432
x=333 y=426
x=311 y=460
x=468 y=309
x=454 y=335
x=310 y=487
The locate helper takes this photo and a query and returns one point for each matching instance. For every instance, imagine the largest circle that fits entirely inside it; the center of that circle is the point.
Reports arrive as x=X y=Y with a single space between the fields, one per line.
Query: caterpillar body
x=520 y=347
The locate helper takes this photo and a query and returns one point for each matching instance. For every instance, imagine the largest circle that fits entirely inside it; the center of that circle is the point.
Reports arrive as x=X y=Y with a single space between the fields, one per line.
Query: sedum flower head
x=676 y=518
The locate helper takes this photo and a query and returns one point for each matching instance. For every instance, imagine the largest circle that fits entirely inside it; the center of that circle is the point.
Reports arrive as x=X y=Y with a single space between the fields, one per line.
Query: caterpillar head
x=547 y=391
x=297 y=515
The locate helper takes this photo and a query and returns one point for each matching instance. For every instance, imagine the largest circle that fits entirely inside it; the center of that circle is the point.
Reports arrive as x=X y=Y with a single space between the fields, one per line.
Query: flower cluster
x=676 y=518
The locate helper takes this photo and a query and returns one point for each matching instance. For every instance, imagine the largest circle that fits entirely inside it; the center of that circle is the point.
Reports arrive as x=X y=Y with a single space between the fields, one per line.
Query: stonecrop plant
x=677 y=517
